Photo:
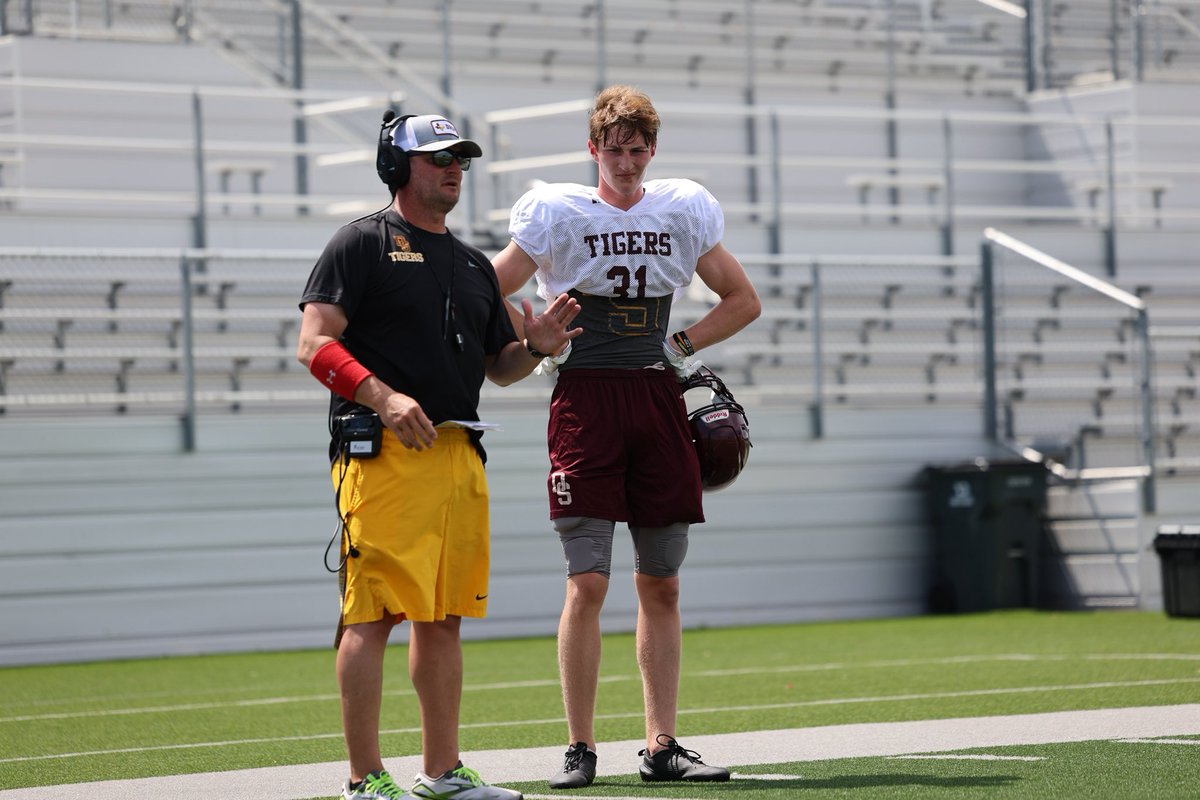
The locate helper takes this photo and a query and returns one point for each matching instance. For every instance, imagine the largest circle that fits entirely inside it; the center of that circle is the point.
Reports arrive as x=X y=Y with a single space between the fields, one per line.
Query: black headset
x=390 y=161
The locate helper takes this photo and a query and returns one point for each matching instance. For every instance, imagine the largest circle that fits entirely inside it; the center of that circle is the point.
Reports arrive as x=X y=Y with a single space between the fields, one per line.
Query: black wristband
x=684 y=344
x=535 y=353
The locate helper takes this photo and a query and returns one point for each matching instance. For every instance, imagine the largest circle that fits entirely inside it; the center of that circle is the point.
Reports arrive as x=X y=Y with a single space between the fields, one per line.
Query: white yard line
x=832 y=666
x=836 y=701
x=619 y=758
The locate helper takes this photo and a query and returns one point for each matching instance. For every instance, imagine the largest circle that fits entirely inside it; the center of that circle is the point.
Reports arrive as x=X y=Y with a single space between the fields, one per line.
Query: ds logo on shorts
x=561 y=488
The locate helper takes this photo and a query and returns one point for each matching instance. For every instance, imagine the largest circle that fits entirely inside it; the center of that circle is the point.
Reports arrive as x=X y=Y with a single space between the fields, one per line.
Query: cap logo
x=444 y=127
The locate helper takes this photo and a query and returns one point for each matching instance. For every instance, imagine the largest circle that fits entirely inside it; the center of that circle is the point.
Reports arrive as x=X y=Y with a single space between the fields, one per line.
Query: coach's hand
x=404 y=416
x=548 y=332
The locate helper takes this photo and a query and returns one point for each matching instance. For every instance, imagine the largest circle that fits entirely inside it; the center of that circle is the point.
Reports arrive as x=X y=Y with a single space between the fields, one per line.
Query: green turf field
x=73 y=723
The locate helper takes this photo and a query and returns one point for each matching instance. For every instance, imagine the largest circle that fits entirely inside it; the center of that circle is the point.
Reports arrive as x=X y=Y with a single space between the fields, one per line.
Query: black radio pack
x=360 y=435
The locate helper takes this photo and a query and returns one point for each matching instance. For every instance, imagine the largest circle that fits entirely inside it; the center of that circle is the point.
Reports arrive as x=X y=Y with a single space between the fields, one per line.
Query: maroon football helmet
x=720 y=432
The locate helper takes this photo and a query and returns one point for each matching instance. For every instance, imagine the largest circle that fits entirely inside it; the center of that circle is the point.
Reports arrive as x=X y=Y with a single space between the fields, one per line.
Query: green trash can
x=1178 y=548
x=987 y=520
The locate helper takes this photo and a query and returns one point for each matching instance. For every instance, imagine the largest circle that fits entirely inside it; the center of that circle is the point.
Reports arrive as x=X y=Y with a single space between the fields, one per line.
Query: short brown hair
x=625 y=111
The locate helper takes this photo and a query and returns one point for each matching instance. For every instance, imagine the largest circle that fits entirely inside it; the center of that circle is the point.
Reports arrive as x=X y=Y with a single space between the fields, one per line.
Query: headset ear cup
x=390 y=161
x=392 y=165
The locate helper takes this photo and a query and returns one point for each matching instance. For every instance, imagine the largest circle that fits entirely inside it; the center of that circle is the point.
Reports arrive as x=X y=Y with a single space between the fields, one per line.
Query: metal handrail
x=993 y=238
x=950 y=211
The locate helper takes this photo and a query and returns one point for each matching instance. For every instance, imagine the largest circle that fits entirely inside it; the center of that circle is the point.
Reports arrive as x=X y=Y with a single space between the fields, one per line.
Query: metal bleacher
x=150 y=271
x=137 y=330
x=897 y=328
x=703 y=44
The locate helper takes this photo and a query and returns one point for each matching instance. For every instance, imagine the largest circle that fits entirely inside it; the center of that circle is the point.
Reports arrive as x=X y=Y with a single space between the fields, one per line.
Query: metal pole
x=469 y=182
x=187 y=19
x=1114 y=47
x=889 y=101
x=1110 y=177
x=947 y=187
x=751 y=99
x=1031 y=81
x=987 y=300
x=1157 y=24
x=1045 y=45
x=446 y=58
x=1139 y=41
x=1146 y=393
x=496 y=185
x=189 y=358
x=281 y=43
x=816 y=410
x=301 y=125
x=200 y=220
x=775 y=229
x=601 y=68
x=601 y=48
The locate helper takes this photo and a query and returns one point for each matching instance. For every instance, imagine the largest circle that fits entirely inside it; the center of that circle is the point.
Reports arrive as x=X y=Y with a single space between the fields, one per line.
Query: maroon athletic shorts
x=620 y=448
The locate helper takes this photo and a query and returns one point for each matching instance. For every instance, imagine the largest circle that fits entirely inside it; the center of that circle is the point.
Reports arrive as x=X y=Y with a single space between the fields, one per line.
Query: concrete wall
x=113 y=543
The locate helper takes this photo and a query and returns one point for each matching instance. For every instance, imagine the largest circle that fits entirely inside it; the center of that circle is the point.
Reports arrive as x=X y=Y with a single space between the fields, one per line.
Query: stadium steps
x=1090 y=554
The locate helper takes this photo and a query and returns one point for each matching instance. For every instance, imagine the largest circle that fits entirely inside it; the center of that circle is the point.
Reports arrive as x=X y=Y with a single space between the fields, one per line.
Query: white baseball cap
x=430 y=133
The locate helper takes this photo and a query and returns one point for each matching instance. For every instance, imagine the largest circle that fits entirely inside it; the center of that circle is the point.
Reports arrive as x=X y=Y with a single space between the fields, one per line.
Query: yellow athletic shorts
x=419 y=522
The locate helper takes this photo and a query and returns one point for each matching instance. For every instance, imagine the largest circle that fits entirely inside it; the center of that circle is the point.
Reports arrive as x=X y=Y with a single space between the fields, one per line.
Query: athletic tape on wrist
x=333 y=366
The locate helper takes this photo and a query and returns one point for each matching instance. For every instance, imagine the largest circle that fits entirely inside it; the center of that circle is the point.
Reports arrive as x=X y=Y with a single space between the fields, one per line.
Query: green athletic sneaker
x=460 y=783
x=378 y=785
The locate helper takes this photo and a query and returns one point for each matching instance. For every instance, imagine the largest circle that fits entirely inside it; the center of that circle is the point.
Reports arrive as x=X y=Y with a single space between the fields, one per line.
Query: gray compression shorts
x=587 y=544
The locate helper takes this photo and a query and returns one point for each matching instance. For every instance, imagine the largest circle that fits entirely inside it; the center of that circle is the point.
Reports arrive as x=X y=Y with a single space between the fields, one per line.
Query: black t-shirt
x=409 y=295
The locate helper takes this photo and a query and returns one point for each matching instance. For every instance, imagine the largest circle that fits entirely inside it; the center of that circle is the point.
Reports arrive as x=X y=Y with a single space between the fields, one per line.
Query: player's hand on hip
x=684 y=366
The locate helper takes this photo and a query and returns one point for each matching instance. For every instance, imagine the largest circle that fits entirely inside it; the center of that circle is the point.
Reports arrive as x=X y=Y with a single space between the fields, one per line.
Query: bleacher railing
x=856 y=329
x=1060 y=361
x=195 y=166
x=1058 y=44
x=1071 y=407
x=162 y=330
x=167 y=331
x=946 y=174
x=790 y=173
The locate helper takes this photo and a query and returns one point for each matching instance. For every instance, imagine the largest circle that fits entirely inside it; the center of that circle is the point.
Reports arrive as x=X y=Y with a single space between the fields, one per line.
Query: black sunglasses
x=444 y=158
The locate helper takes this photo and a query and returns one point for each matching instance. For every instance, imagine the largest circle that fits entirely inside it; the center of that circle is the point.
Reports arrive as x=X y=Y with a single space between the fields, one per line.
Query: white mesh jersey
x=580 y=242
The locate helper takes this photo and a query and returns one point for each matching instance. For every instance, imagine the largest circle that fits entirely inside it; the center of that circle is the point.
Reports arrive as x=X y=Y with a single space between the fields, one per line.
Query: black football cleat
x=579 y=768
x=676 y=763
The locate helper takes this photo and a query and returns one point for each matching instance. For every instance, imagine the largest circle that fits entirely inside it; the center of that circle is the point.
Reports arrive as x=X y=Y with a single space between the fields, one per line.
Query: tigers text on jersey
x=580 y=242
x=622 y=266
